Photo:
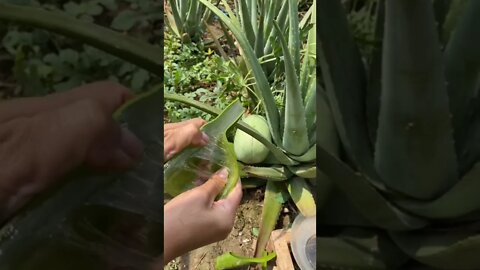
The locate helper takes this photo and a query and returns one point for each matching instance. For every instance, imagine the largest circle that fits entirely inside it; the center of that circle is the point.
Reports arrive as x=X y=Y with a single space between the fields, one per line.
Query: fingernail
x=170 y=154
x=130 y=144
x=205 y=137
x=223 y=173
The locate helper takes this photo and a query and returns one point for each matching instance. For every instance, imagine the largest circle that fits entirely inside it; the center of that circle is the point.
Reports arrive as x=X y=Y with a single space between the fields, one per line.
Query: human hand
x=194 y=219
x=178 y=136
x=41 y=139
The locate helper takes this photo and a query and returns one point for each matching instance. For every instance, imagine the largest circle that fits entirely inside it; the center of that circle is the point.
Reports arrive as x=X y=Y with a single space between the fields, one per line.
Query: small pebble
x=285 y=210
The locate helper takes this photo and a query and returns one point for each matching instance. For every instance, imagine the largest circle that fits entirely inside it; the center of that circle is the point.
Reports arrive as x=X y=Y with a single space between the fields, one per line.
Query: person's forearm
x=31 y=106
x=173 y=238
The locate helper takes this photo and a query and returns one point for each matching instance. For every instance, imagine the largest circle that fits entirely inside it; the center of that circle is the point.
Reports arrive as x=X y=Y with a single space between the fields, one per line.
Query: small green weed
x=199 y=73
x=44 y=62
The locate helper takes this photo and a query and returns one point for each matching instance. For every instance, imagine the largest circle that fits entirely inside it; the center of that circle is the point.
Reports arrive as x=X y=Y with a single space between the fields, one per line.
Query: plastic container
x=303 y=242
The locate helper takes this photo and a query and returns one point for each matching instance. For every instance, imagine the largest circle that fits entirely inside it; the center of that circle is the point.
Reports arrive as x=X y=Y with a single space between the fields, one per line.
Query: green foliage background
x=35 y=62
x=197 y=72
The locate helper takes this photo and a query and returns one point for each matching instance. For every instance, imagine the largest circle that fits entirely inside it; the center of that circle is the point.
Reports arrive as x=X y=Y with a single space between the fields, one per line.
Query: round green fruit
x=248 y=149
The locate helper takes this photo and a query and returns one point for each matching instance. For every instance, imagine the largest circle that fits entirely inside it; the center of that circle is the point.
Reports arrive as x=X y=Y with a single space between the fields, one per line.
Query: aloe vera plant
x=405 y=195
x=187 y=19
x=290 y=164
x=81 y=224
x=256 y=18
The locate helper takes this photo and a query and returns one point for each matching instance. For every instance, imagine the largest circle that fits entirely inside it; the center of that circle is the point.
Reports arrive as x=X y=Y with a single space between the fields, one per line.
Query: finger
x=231 y=203
x=130 y=144
x=117 y=149
x=109 y=94
x=198 y=122
x=215 y=184
x=177 y=140
x=193 y=136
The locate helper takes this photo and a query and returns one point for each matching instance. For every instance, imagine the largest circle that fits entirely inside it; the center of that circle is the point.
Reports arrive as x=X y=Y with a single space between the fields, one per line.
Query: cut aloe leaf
x=442 y=249
x=232 y=261
x=199 y=163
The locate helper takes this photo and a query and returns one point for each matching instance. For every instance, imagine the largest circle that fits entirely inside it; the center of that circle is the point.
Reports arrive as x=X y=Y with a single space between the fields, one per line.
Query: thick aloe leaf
x=310 y=105
x=182 y=6
x=246 y=23
x=181 y=172
x=301 y=194
x=260 y=39
x=374 y=86
x=358 y=249
x=345 y=82
x=272 y=204
x=441 y=8
x=295 y=133
x=470 y=153
x=272 y=11
x=307 y=70
x=294 y=36
x=282 y=18
x=253 y=13
x=76 y=225
x=322 y=189
x=171 y=23
x=278 y=153
x=309 y=156
x=364 y=196
x=415 y=151
x=305 y=170
x=262 y=87
x=459 y=200
x=335 y=209
x=271 y=173
x=463 y=69
x=231 y=261
x=442 y=249
x=327 y=136
x=135 y=51
x=191 y=22
x=457 y=8
x=177 y=20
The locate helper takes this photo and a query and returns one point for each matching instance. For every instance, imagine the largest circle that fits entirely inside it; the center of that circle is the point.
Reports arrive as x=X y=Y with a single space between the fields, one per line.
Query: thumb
x=215 y=184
